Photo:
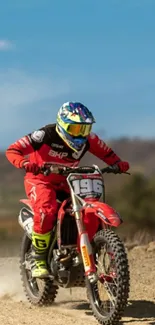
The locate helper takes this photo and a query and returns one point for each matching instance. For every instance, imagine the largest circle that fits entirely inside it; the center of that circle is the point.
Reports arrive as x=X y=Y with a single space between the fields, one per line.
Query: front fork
x=87 y=257
x=85 y=246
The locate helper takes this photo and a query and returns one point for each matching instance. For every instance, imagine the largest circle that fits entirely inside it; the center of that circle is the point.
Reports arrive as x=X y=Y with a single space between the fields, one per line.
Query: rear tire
x=38 y=291
x=123 y=278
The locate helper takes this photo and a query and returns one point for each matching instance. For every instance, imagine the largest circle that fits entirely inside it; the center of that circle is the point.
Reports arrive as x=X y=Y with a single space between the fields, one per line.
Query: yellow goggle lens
x=79 y=129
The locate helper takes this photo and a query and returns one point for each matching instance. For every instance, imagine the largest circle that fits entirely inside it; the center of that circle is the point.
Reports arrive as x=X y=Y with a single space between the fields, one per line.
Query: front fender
x=105 y=213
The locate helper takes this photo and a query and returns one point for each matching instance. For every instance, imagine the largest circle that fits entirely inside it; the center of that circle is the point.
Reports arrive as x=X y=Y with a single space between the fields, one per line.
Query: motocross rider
x=64 y=142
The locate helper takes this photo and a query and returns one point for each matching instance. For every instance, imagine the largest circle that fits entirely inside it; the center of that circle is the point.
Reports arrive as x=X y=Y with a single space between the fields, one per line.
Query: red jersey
x=46 y=146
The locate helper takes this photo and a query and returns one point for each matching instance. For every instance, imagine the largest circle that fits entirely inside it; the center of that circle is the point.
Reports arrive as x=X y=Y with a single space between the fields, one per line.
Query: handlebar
x=47 y=169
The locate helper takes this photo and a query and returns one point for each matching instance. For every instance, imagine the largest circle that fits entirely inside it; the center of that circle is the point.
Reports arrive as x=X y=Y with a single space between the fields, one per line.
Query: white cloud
x=20 y=88
x=21 y=93
x=6 y=45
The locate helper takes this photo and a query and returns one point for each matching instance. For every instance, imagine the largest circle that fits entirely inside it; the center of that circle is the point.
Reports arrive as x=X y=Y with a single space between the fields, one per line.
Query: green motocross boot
x=40 y=244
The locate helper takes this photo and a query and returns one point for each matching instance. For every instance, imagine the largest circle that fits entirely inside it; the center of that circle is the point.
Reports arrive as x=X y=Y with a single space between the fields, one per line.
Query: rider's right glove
x=31 y=167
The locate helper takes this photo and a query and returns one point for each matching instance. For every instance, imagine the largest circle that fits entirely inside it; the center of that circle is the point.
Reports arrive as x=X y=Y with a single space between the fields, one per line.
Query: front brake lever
x=127 y=173
x=117 y=170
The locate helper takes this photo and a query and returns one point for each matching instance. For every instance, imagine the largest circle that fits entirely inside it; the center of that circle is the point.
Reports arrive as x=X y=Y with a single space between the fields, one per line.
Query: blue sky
x=101 y=53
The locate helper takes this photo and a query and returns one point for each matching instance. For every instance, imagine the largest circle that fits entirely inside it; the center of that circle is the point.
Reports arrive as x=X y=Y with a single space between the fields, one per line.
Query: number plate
x=88 y=187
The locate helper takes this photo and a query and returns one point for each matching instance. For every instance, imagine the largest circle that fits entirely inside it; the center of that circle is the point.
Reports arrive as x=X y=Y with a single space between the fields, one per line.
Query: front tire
x=38 y=291
x=116 y=283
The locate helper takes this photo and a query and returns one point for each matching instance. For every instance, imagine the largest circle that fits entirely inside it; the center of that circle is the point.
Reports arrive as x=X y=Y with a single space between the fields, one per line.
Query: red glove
x=31 y=167
x=123 y=166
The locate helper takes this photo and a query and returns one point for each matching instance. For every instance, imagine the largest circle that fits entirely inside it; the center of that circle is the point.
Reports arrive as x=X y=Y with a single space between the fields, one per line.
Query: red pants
x=44 y=204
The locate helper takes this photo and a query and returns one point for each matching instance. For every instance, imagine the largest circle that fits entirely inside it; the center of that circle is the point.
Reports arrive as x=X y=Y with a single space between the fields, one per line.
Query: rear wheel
x=108 y=297
x=38 y=291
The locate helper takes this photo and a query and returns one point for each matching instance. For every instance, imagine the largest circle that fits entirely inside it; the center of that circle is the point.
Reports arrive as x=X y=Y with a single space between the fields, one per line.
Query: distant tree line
x=135 y=201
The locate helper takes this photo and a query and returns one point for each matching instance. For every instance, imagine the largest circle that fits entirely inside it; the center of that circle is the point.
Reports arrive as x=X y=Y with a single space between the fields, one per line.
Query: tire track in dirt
x=72 y=307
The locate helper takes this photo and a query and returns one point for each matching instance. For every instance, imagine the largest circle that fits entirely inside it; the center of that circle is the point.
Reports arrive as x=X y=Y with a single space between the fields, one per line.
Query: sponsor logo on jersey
x=60 y=155
x=56 y=145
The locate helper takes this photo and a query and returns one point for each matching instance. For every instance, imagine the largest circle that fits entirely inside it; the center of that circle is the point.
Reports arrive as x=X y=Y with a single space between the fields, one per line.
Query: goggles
x=79 y=129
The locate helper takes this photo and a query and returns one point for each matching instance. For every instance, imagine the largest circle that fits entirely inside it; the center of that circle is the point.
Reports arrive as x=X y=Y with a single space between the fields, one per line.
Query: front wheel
x=38 y=291
x=108 y=296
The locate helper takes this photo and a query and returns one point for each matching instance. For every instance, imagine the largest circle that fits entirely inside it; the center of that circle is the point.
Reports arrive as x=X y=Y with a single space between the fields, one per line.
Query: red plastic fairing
x=103 y=211
x=91 y=221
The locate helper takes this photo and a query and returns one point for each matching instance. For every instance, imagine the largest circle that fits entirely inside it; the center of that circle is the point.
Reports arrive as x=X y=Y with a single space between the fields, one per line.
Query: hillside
x=140 y=153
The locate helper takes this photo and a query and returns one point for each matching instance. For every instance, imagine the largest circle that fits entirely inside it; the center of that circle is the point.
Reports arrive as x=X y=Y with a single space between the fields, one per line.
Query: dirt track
x=73 y=308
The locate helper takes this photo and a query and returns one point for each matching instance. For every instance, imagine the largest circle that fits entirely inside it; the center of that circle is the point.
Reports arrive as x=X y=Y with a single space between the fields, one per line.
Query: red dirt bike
x=84 y=250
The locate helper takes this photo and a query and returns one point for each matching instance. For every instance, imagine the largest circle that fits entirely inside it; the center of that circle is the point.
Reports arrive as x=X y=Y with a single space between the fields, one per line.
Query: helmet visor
x=79 y=129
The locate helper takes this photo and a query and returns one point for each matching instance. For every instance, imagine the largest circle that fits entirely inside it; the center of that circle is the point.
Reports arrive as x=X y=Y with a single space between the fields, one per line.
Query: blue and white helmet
x=74 y=124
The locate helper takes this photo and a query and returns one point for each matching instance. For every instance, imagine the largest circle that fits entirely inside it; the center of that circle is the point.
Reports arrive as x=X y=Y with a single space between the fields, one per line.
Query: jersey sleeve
x=16 y=153
x=101 y=150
